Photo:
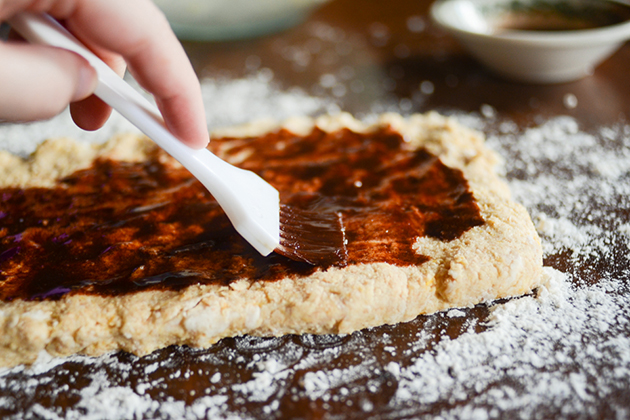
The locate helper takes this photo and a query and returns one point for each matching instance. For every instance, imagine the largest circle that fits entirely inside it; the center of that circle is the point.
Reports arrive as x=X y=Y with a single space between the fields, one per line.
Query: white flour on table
x=226 y=103
x=564 y=350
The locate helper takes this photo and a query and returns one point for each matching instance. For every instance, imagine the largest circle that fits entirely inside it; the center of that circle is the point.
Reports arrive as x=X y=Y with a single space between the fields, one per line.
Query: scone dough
x=501 y=258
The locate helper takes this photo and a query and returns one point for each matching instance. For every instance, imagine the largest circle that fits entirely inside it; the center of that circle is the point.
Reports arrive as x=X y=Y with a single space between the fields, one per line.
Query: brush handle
x=237 y=191
x=111 y=88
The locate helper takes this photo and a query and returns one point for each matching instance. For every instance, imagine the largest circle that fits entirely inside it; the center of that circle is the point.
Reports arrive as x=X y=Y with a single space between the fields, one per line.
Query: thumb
x=38 y=82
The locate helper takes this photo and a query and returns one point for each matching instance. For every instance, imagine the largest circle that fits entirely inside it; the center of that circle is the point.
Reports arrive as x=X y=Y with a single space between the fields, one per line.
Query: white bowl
x=537 y=41
x=209 y=20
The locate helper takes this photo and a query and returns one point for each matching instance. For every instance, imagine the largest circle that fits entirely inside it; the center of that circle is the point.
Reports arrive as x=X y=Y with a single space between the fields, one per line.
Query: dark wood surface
x=375 y=40
x=382 y=51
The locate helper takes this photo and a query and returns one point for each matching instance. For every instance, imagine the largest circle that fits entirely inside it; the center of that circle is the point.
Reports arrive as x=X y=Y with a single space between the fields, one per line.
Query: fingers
x=90 y=113
x=136 y=31
x=155 y=57
x=41 y=81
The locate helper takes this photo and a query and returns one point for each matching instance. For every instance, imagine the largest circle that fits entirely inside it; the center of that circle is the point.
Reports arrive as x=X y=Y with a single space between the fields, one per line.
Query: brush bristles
x=315 y=237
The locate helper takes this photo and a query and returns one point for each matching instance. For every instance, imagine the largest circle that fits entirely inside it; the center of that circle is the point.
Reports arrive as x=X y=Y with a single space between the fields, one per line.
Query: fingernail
x=86 y=84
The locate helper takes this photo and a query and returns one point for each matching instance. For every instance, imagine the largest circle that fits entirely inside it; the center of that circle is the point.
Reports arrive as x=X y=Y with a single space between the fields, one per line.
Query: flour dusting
x=562 y=352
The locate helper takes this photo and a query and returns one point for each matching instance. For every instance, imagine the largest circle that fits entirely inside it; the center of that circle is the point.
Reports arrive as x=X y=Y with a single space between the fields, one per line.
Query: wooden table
x=391 y=49
x=366 y=56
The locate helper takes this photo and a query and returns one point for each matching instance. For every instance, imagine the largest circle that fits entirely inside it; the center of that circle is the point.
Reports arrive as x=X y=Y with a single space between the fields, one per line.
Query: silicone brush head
x=315 y=237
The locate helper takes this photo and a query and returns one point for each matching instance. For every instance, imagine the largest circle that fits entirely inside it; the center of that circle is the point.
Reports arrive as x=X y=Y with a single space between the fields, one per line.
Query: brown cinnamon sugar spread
x=123 y=227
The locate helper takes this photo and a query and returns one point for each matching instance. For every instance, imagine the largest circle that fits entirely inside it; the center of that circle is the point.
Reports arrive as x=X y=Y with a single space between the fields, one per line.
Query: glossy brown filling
x=123 y=227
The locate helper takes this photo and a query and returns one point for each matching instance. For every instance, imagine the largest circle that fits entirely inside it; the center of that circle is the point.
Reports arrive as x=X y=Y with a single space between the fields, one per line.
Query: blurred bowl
x=215 y=20
x=537 y=41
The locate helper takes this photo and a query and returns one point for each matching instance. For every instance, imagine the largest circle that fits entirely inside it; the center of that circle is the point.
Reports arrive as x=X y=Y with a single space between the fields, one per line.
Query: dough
x=498 y=258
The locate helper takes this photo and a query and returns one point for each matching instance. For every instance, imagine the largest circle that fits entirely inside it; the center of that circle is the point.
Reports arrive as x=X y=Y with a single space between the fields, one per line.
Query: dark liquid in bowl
x=562 y=16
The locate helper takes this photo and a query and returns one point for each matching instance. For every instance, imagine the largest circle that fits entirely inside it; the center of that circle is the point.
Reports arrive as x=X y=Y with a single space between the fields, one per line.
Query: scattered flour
x=226 y=103
x=563 y=352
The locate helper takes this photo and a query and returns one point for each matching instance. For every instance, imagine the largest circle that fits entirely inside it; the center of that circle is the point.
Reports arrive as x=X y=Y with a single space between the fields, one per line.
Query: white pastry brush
x=251 y=204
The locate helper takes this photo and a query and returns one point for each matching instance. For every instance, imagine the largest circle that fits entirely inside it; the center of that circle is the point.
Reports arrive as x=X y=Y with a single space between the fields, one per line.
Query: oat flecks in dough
x=501 y=258
x=57 y=158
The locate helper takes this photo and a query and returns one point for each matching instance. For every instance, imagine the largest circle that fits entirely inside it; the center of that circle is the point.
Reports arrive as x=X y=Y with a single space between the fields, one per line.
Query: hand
x=38 y=82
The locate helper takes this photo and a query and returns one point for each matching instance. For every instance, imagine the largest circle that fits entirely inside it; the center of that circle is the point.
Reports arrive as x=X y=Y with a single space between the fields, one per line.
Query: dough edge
x=502 y=258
